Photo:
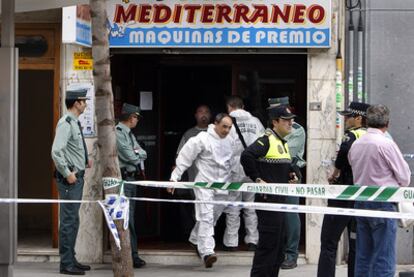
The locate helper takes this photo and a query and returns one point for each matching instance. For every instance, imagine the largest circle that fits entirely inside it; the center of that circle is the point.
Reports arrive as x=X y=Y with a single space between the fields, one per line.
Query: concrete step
x=168 y=257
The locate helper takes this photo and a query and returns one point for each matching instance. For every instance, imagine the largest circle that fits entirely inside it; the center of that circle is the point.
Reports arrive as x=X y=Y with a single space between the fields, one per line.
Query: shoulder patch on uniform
x=261 y=143
x=119 y=128
x=346 y=138
x=68 y=119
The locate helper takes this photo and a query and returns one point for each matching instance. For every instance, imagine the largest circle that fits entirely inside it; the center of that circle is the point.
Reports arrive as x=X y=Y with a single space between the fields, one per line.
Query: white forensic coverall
x=251 y=128
x=213 y=157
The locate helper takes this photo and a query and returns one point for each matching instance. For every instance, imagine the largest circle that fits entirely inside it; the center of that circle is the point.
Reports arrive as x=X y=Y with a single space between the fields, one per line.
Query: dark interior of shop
x=177 y=85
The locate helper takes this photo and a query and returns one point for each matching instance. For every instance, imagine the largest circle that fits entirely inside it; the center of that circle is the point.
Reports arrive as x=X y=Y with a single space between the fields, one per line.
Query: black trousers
x=185 y=211
x=269 y=254
x=332 y=228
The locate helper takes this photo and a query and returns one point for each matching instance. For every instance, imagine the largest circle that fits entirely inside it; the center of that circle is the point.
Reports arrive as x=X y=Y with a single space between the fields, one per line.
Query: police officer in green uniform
x=70 y=156
x=268 y=160
x=296 y=141
x=130 y=156
x=334 y=225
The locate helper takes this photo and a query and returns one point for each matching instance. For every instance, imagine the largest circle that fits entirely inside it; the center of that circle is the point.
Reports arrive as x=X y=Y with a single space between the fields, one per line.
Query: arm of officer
x=342 y=156
x=250 y=155
x=125 y=151
x=62 y=136
x=142 y=154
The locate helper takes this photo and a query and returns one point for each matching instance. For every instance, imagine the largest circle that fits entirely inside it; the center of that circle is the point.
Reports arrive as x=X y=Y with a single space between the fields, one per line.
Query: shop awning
x=37 y=5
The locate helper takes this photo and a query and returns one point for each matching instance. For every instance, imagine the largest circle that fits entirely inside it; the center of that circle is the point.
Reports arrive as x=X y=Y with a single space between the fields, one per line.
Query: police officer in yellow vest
x=268 y=160
x=70 y=156
x=130 y=155
x=334 y=225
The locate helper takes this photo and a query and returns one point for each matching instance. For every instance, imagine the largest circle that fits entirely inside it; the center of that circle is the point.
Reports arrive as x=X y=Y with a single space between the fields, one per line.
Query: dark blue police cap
x=280 y=112
x=355 y=109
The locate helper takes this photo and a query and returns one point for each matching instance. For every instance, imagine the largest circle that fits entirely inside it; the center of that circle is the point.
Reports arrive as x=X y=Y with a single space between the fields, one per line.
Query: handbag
x=405 y=207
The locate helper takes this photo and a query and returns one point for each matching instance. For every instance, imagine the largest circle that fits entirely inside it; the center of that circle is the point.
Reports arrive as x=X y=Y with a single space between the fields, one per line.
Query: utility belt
x=129 y=174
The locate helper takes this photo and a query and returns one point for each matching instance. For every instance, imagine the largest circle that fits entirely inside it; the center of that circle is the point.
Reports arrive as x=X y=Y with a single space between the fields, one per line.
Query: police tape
x=277 y=207
x=336 y=192
x=290 y=208
x=115 y=207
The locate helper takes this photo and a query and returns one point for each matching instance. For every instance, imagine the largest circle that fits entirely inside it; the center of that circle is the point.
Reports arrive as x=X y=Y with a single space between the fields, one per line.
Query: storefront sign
x=76 y=25
x=82 y=61
x=220 y=23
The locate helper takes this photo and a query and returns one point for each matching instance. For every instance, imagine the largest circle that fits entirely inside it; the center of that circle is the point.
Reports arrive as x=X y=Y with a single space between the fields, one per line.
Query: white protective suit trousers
x=206 y=217
x=231 y=233
x=203 y=230
x=250 y=220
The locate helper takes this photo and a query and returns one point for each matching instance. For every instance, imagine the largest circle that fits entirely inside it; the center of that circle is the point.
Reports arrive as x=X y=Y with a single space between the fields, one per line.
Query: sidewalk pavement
x=156 y=270
x=162 y=270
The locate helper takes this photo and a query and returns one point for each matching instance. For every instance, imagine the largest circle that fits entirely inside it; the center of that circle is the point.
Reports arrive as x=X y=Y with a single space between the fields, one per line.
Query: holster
x=129 y=174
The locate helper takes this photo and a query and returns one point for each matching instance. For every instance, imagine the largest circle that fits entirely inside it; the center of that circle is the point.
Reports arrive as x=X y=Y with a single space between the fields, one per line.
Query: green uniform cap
x=275 y=102
x=130 y=109
x=76 y=94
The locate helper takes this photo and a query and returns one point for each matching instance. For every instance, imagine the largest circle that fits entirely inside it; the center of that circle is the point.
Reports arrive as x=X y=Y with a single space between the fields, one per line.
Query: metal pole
x=351 y=59
x=339 y=93
x=8 y=138
x=360 y=73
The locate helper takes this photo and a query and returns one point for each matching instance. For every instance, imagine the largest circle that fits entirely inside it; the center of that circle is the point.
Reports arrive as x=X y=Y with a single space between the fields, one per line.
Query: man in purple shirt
x=377 y=161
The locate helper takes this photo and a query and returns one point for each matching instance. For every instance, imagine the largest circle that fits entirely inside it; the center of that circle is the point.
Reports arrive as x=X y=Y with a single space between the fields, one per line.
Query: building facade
x=158 y=70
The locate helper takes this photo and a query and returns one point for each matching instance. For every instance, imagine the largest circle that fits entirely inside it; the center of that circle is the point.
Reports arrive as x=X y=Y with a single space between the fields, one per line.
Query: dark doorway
x=183 y=89
x=179 y=83
x=35 y=164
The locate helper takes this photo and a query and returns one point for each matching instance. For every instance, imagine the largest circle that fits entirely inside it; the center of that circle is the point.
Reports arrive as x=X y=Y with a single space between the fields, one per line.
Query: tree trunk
x=104 y=107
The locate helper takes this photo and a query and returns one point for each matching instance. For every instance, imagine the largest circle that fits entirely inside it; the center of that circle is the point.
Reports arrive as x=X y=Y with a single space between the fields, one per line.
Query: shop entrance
x=177 y=85
x=39 y=102
x=35 y=164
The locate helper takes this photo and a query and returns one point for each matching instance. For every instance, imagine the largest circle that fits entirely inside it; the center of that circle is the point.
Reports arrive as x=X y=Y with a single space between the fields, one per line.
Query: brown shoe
x=209 y=260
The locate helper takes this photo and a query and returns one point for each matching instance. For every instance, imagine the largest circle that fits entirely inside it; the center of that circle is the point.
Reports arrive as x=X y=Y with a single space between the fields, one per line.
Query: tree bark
x=104 y=109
